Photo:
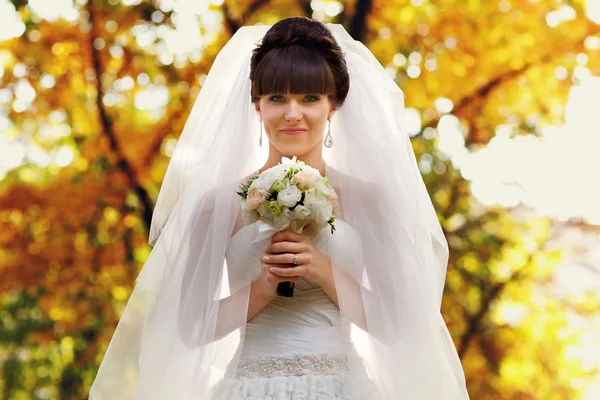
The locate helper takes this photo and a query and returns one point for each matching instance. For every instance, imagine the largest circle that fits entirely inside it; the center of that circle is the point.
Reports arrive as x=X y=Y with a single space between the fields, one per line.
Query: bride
x=204 y=320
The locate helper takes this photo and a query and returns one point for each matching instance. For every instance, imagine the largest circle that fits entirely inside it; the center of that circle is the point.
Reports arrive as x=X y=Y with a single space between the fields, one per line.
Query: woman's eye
x=276 y=98
x=311 y=98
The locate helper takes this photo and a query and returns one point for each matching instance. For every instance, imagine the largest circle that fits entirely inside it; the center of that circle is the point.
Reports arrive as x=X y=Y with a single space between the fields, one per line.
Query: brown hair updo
x=299 y=55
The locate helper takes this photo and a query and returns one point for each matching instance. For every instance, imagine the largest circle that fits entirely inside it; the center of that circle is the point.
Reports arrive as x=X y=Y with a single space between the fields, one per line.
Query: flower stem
x=285 y=289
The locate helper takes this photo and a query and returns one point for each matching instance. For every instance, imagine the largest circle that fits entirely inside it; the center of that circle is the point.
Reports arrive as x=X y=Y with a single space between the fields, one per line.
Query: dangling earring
x=260 y=137
x=328 y=139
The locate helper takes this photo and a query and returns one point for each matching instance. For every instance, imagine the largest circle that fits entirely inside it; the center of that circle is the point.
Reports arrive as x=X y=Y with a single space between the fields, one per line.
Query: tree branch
x=474 y=322
x=107 y=125
x=481 y=92
x=306 y=8
x=235 y=22
x=494 y=83
x=167 y=127
x=358 y=22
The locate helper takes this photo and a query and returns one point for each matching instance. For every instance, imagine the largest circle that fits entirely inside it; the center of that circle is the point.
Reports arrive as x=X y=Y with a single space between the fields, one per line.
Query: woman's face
x=295 y=123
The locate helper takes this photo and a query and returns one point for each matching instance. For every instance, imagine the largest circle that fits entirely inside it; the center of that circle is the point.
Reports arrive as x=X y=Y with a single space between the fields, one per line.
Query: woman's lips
x=293 y=131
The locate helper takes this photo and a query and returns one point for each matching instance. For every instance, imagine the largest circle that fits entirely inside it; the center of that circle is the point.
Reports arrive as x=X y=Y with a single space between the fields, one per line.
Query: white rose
x=261 y=183
x=287 y=163
x=267 y=178
x=299 y=218
x=321 y=209
x=300 y=212
x=278 y=222
x=290 y=196
x=324 y=189
x=313 y=171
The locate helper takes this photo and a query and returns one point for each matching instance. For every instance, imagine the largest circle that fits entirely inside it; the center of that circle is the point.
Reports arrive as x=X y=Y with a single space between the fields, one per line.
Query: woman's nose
x=293 y=112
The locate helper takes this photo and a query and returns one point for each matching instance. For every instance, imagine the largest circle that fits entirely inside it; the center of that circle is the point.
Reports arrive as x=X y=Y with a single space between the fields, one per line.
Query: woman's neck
x=316 y=162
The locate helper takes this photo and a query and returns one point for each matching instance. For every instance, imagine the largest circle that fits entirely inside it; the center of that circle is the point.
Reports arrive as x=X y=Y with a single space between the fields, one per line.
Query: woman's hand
x=267 y=283
x=278 y=259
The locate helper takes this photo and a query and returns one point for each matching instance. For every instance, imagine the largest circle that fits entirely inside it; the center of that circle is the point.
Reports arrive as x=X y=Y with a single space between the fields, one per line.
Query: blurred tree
x=96 y=95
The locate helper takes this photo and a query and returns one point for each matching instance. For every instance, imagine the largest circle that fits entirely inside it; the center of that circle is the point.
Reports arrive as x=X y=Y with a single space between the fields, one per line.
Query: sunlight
x=12 y=155
x=554 y=173
x=152 y=98
x=556 y=17
x=64 y=156
x=11 y=25
x=196 y=26
x=413 y=121
x=592 y=10
x=186 y=37
x=55 y=9
x=451 y=140
x=37 y=156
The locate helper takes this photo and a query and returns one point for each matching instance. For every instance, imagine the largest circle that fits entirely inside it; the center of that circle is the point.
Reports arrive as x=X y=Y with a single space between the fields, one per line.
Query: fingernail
x=265 y=258
x=272 y=269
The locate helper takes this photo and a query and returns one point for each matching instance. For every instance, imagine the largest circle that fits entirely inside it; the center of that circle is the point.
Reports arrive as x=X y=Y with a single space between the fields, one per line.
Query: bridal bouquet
x=289 y=195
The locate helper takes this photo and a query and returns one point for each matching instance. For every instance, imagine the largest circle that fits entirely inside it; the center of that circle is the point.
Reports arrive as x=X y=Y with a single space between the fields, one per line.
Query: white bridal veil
x=184 y=324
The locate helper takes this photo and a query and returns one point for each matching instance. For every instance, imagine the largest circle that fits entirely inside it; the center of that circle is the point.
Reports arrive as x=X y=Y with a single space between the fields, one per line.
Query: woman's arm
x=328 y=286
x=259 y=298
x=259 y=294
x=349 y=291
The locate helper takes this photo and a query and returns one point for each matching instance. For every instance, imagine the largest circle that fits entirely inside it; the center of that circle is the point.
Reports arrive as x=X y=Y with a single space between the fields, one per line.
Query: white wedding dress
x=295 y=348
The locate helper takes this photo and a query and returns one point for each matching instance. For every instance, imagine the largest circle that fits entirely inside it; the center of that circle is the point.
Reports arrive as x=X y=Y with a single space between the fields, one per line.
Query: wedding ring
x=295 y=259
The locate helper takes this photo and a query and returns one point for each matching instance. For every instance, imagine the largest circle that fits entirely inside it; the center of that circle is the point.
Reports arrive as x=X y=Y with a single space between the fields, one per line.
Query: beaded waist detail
x=296 y=364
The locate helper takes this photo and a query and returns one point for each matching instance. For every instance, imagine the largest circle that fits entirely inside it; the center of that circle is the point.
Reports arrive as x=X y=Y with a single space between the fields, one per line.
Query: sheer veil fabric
x=183 y=327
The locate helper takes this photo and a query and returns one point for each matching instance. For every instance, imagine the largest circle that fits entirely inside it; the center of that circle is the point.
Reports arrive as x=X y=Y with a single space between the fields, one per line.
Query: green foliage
x=244 y=187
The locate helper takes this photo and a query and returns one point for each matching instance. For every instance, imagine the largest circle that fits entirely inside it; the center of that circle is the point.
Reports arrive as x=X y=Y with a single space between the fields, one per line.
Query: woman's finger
x=287 y=235
x=286 y=278
x=268 y=266
x=289 y=271
x=285 y=247
x=287 y=258
x=276 y=279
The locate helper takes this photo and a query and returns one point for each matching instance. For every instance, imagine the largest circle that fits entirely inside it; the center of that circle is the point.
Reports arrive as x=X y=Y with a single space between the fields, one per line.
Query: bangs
x=293 y=69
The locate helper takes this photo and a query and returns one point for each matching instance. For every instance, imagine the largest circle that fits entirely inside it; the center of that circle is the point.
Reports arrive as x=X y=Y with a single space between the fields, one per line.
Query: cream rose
x=305 y=178
x=333 y=199
x=256 y=196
